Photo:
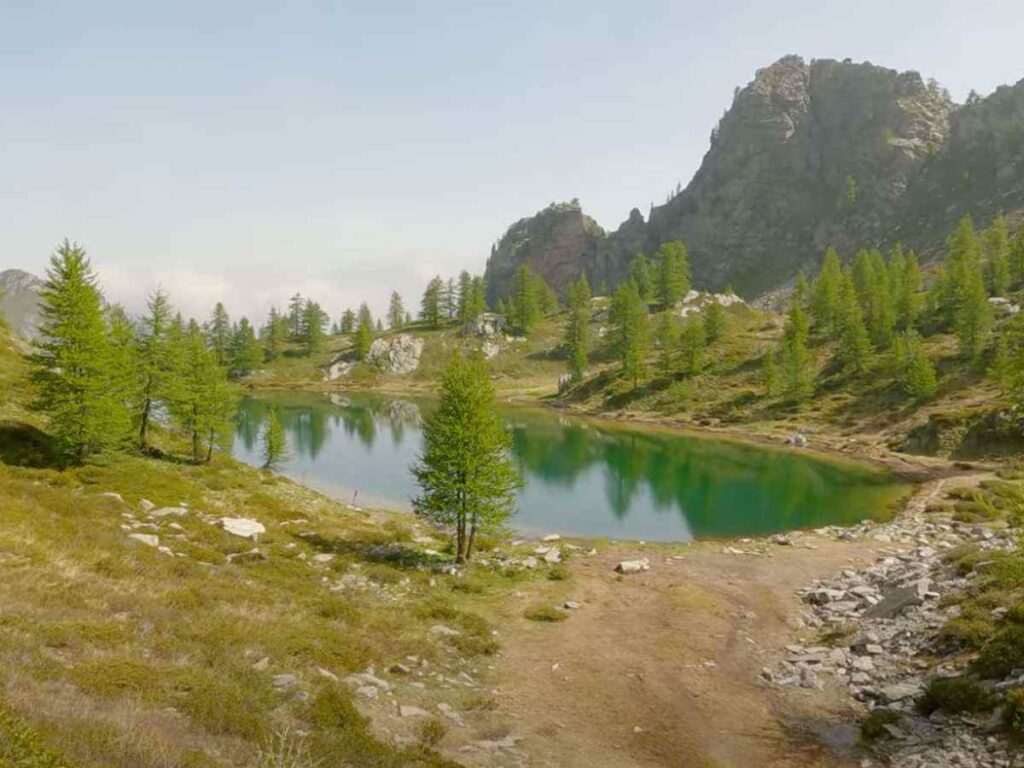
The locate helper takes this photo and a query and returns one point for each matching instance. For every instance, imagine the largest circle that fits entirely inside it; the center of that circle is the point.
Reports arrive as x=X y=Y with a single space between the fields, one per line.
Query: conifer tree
x=475 y=303
x=274 y=335
x=630 y=330
x=854 y=346
x=365 y=317
x=914 y=371
x=396 y=312
x=1017 y=257
x=295 y=306
x=219 y=333
x=577 y=328
x=973 y=317
x=431 y=306
x=154 y=362
x=124 y=371
x=202 y=403
x=825 y=293
x=673 y=267
x=797 y=380
x=71 y=365
x=451 y=300
x=693 y=342
x=864 y=281
x=274 y=443
x=348 y=321
x=524 y=305
x=715 y=321
x=666 y=333
x=466 y=474
x=908 y=301
x=246 y=354
x=465 y=290
x=641 y=272
x=546 y=298
x=882 y=317
x=364 y=339
x=997 y=255
x=313 y=319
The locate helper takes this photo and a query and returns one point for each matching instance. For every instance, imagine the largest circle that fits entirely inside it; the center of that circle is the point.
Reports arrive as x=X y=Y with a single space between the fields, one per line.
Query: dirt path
x=661 y=669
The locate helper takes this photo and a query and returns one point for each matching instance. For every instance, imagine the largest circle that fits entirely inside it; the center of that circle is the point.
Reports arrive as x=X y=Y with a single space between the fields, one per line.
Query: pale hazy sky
x=246 y=150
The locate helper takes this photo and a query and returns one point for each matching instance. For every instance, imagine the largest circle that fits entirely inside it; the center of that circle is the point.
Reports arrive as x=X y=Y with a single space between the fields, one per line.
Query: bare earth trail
x=661 y=668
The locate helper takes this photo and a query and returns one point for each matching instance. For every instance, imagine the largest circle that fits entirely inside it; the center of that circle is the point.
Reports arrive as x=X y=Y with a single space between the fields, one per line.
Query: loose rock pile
x=885 y=620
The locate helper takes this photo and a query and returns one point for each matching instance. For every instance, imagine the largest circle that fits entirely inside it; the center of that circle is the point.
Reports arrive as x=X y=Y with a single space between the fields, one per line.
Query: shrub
x=954 y=694
x=873 y=726
x=1013 y=715
x=1002 y=654
x=558 y=573
x=544 y=613
x=431 y=732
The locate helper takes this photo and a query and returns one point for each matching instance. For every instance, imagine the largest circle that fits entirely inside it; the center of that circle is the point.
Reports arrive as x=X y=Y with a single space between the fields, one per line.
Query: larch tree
x=795 y=359
x=71 y=367
x=715 y=321
x=913 y=370
x=524 y=303
x=246 y=353
x=577 y=328
x=673 y=267
x=273 y=442
x=693 y=341
x=643 y=275
x=218 y=333
x=202 y=404
x=274 y=335
x=909 y=302
x=466 y=473
x=997 y=257
x=630 y=330
x=154 y=363
x=295 y=306
x=854 y=351
x=666 y=334
x=348 y=321
x=364 y=338
x=825 y=293
x=313 y=321
x=396 y=312
x=431 y=306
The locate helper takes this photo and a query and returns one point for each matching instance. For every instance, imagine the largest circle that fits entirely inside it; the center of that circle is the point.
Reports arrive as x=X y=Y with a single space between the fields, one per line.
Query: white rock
x=145 y=538
x=241 y=526
x=169 y=512
x=633 y=566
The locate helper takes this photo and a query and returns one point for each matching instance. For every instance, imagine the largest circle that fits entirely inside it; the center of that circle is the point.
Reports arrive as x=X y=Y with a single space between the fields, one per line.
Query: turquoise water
x=582 y=477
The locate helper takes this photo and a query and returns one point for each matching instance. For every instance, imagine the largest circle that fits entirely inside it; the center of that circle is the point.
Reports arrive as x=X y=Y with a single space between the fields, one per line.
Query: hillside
x=19 y=301
x=810 y=155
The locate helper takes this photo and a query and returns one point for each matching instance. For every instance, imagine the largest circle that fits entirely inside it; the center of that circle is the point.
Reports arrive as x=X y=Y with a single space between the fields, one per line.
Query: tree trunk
x=197 y=453
x=472 y=538
x=145 y=423
x=209 y=448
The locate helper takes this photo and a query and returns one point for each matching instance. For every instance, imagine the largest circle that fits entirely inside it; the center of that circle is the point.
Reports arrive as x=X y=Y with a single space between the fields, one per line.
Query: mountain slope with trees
x=809 y=156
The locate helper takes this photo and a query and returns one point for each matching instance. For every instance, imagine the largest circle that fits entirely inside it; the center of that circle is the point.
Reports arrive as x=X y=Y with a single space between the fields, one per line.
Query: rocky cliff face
x=20 y=301
x=812 y=155
x=555 y=243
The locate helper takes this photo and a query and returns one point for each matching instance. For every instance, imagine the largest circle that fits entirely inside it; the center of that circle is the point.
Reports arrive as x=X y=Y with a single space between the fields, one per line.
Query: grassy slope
x=117 y=654
x=866 y=414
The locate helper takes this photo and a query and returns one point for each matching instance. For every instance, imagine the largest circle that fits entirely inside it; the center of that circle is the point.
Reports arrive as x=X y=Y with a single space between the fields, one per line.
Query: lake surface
x=582 y=477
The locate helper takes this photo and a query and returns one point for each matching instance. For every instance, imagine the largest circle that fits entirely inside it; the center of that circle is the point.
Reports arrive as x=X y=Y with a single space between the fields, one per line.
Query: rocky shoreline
x=883 y=622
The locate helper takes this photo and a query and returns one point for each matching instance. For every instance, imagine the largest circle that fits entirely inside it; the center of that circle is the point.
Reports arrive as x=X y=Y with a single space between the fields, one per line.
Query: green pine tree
x=348 y=321
x=466 y=474
x=218 y=332
x=246 y=353
x=641 y=272
x=153 y=359
x=715 y=321
x=769 y=373
x=295 y=306
x=71 y=367
x=908 y=301
x=577 y=328
x=825 y=294
x=630 y=330
x=524 y=304
x=396 y=312
x=274 y=335
x=854 y=350
x=666 y=334
x=914 y=371
x=997 y=255
x=795 y=359
x=431 y=306
x=973 y=317
x=693 y=341
x=673 y=266
x=313 y=320
x=273 y=442
x=364 y=339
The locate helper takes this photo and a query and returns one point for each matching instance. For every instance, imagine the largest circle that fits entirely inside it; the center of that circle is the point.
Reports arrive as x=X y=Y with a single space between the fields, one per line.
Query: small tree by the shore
x=274 y=442
x=466 y=473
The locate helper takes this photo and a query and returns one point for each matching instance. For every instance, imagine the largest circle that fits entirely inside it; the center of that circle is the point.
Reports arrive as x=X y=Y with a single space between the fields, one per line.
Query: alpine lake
x=582 y=477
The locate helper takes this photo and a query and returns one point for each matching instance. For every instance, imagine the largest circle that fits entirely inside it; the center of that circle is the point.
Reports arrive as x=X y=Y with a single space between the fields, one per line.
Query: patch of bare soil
x=662 y=668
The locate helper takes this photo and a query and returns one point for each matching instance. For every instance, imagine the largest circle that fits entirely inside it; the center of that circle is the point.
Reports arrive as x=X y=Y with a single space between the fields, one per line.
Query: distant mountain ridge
x=19 y=302
x=809 y=155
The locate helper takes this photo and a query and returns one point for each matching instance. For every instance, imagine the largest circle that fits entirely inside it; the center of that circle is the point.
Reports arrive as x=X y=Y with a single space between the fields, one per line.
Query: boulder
x=398 y=354
x=895 y=600
x=241 y=526
x=633 y=566
x=249 y=556
x=145 y=538
x=487 y=324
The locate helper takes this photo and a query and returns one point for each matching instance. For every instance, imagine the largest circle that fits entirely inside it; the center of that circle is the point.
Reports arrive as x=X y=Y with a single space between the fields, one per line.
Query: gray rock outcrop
x=398 y=354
